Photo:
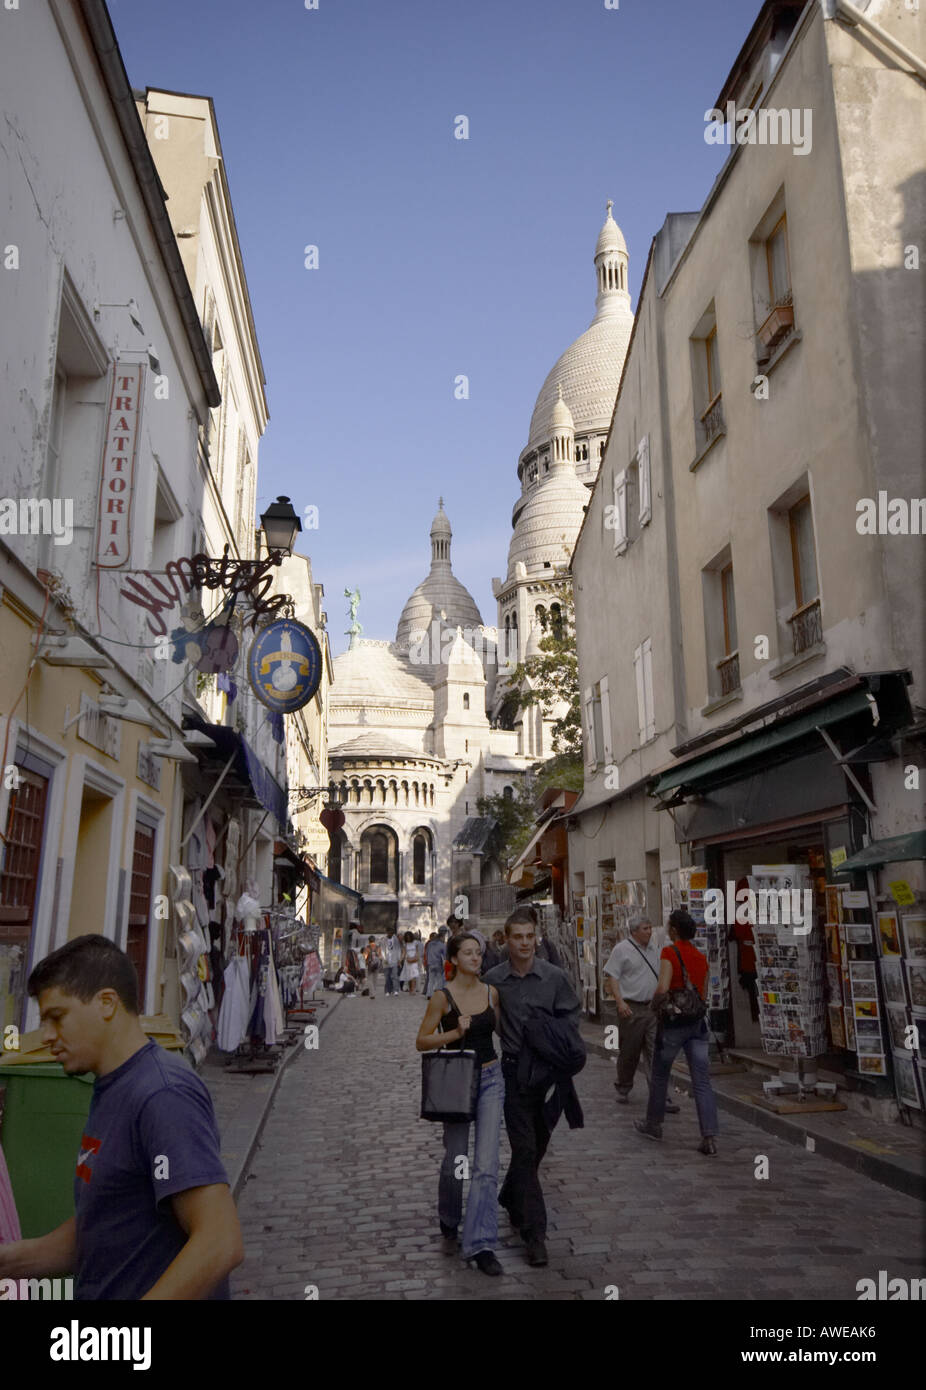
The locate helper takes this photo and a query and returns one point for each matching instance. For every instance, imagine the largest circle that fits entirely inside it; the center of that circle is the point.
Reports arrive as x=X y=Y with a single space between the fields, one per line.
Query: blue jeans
x=693 y=1038
x=392 y=974
x=480 y=1228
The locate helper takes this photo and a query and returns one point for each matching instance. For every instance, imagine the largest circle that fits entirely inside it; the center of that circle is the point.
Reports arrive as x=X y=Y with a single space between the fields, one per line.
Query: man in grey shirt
x=631 y=973
x=525 y=982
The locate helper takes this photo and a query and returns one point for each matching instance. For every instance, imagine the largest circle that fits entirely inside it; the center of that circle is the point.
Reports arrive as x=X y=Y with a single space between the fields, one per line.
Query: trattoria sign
x=117 y=479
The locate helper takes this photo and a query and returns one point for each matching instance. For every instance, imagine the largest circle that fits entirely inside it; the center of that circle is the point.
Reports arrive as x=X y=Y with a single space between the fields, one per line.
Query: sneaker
x=449 y=1240
x=536 y=1253
x=487 y=1262
x=622 y=1097
x=708 y=1145
x=649 y=1132
x=672 y=1108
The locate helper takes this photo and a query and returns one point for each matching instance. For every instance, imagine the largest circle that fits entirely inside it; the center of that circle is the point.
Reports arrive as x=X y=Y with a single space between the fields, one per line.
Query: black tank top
x=479 y=1037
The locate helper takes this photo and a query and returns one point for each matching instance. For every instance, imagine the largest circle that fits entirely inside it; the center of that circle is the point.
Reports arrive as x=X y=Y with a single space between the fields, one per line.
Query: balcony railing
x=712 y=420
x=729 y=669
x=806 y=626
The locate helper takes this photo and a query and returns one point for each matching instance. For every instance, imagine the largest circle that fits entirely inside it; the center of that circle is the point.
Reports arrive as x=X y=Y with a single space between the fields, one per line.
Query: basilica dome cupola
x=611 y=269
x=562 y=432
x=440 y=538
x=440 y=596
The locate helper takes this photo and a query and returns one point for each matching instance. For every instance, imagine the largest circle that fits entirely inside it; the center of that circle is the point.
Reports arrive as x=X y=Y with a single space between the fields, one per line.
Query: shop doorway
x=136 y=945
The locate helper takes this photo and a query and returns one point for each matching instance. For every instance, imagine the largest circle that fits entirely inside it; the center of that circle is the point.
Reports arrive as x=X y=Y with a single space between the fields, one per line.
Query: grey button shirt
x=544 y=986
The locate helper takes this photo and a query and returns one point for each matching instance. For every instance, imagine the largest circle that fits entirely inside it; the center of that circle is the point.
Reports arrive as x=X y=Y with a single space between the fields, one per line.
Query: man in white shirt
x=632 y=972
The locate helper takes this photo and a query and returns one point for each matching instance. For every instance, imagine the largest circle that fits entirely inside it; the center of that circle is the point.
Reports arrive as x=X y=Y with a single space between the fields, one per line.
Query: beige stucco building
x=751 y=664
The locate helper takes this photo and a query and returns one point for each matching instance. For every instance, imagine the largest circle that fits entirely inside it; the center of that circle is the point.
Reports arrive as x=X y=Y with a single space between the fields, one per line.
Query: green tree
x=517 y=814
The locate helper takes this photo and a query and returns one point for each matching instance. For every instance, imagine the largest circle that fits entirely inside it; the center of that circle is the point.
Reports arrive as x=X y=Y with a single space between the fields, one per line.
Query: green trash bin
x=44 y=1115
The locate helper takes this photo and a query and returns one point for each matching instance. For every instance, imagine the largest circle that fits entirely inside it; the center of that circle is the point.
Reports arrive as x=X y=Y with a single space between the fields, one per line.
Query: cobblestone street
x=342 y=1195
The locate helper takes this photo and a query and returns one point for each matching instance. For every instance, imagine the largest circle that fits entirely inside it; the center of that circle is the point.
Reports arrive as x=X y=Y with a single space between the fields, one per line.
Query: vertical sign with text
x=117 y=478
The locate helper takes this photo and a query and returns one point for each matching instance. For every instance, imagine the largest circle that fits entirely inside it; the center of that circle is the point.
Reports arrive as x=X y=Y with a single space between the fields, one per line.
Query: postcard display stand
x=711 y=939
x=902 y=939
x=789 y=973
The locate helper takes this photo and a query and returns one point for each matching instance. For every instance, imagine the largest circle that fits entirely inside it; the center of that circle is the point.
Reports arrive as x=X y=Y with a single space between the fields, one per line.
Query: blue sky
x=437 y=256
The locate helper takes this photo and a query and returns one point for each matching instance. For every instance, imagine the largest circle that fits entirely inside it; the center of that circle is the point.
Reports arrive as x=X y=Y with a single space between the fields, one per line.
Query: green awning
x=752 y=745
x=891 y=851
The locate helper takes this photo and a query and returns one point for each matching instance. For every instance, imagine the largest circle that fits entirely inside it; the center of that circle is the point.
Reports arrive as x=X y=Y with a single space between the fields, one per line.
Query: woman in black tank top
x=464 y=1015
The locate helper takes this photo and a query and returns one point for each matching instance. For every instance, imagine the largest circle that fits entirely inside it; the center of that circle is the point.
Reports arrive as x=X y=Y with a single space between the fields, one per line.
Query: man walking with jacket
x=527 y=987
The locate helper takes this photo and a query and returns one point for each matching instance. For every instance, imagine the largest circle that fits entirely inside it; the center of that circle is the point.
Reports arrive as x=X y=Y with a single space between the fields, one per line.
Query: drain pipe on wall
x=842 y=9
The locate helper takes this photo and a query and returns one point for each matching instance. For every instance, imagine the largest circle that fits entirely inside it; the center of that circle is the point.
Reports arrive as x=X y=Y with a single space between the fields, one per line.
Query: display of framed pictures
x=916 y=979
x=897 y=1023
x=857 y=933
x=892 y=979
x=907 y=1080
x=833 y=902
x=833 y=981
x=849 y=1019
x=870 y=1046
x=837 y=1027
x=889 y=934
x=914 y=935
x=862 y=976
x=868 y=1027
x=873 y=1066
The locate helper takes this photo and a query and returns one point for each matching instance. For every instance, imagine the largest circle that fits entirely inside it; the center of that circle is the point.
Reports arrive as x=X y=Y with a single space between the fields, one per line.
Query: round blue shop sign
x=285 y=665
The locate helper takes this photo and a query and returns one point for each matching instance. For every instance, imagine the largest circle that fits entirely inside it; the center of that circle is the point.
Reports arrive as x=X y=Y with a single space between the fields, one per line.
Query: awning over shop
x=754 y=745
x=247 y=767
x=894 y=850
x=283 y=853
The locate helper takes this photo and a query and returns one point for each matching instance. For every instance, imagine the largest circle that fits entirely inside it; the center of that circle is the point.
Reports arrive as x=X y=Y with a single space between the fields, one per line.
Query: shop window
x=136 y=946
x=19 y=888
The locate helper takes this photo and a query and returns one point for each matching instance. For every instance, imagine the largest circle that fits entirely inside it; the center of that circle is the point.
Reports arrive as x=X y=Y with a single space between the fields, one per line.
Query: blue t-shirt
x=150 y=1133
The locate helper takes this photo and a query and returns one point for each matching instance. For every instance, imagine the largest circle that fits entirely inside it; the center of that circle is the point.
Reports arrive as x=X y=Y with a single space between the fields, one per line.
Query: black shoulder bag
x=449 y=1083
x=683 y=1005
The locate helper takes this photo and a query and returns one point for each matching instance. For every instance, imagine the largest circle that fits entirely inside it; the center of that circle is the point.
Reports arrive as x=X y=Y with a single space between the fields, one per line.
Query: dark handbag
x=449 y=1086
x=683 y=1005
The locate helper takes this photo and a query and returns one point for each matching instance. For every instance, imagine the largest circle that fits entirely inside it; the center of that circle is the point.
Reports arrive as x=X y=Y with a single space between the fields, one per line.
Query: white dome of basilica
x=440 y=596
x=549 y=523
x=589 y=371
x=373 y=671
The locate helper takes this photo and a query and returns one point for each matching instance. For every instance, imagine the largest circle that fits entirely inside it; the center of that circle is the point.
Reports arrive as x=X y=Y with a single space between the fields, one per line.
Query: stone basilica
x=422 y=726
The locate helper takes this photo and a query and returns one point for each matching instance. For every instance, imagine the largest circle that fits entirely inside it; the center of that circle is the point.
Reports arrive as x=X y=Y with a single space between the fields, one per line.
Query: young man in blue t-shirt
x=154 y=1216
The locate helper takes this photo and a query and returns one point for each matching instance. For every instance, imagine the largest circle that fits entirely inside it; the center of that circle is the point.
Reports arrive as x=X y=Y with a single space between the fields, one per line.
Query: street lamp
x=281 y=526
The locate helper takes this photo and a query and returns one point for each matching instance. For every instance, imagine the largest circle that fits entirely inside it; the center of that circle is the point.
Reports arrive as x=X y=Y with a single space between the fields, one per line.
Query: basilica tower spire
x=611 y=269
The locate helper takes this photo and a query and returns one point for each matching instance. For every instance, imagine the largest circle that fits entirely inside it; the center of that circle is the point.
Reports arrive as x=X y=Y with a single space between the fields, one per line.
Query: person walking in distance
x=631 y=975
x=467 y=1016
x=392 y=960
x=411 y=962
x=435 y=954
x=682 y=965
x=372 y=958
x=527 y=985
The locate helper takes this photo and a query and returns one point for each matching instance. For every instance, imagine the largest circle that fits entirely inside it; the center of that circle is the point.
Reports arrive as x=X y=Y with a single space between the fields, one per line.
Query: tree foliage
x=517 y=814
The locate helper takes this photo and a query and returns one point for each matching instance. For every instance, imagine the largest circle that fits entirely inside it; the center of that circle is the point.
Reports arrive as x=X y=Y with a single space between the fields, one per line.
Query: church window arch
x=380 y=792
x=540 y=613
x=379 y=857
x=368 y=791
x=394 y=791
x=508 y=793
x=405 y=792
x=355 y=788
x=466 y=699
x=421 y=845
x=415 y=790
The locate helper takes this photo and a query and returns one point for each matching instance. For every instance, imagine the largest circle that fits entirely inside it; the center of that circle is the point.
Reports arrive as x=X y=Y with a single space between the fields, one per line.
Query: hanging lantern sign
x=285 y=665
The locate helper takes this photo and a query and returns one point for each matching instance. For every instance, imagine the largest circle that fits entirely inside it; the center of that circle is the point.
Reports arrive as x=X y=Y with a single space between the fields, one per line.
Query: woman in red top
x=692 y=1036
